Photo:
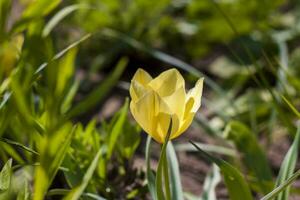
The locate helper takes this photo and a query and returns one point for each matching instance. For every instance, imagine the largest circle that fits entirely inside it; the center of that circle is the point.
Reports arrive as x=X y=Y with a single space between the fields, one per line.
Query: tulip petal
x=184 y=125
x=138 y=86
x=152 y=114
x=143 y=111
x=176 y=102
x=142 y=77
x=196 y=93
x=167 y=82
x=137 y=90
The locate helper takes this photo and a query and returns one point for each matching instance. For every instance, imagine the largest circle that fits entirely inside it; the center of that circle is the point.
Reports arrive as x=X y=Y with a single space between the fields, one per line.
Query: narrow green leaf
x=291 y=106
x=176 y=187
x=63 y=52
x=54 y=192
x=237 y=186
x=207 y=147
x=52 y=153
x=281 y=187
x=60 y=15
x=288 y=166
x=18 y=145
x=117 y=129
x=76 y=192
x=5 y=176
x=254 y=157
x=162 y=174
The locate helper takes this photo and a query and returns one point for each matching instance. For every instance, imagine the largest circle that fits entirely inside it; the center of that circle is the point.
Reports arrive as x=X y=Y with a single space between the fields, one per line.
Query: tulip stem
x=162 y=171
x=166 y=176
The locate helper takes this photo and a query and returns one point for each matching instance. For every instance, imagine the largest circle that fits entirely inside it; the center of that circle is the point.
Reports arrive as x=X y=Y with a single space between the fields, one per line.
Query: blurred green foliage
x=61 y=60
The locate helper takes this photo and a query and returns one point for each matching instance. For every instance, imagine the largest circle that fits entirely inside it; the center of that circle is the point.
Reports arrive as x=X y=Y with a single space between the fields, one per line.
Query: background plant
x=60 y=62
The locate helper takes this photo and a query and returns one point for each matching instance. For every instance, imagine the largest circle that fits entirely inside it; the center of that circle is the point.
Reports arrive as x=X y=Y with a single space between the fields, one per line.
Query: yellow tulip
x=154 y=102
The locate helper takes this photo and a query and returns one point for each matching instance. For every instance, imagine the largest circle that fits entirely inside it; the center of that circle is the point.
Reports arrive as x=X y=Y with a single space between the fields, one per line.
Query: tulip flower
x=157 y=101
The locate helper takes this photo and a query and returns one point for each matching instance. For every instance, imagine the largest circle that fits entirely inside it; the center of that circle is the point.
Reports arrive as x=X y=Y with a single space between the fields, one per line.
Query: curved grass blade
x=291 y=106
x=60 y=15
x=281 y=187
x=54 y=192
x=176 y=187
x=226 y=151
x=237 y=186
x=62 y=52
x=288 y=166
x=18 y=145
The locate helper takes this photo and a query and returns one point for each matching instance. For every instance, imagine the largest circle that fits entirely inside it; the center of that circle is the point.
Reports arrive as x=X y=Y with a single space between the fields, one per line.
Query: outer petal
x=167 y=82
x=152 y=114
x=193 y=102
x=143 y=112
x=196 y=94
x=176 y=102
x=138 y=86
x=142 y=77
x=184 y=125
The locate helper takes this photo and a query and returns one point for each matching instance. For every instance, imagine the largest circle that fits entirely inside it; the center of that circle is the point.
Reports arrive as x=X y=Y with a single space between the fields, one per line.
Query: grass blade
x=237 y=186
x=281 y=187
x=76 y=192
x=177 y=192
x=254 y=157
x=288 y=166
x=18 y=145
x=58 y=17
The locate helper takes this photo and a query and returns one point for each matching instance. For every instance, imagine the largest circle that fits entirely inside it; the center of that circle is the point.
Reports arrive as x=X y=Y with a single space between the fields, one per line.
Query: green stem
x=162 y=171
x=166 y=176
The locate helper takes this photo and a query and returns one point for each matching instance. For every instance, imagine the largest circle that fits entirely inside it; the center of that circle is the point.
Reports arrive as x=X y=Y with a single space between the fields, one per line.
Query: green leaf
x=54 y=192
x=254 y=157
x=17 y=144
x=99 y=92
x=53 y=149
x=129 y=139
x=226 y=151
x=63 y=52
x=40 y=8
x=60 y=15
x=291 y=106
x=117 y=129
x=288 y=166
x=211 y=181
x=162 y=172
x=5 y=6
x=76 y=192
x=176 y=187
x=65 y=71
x=5 y=176
x=237 y=186
x=281 y=187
